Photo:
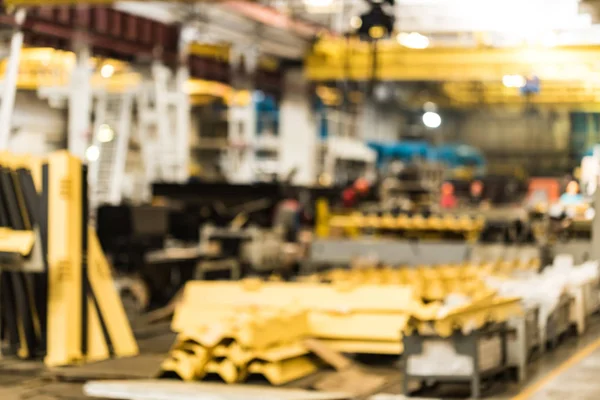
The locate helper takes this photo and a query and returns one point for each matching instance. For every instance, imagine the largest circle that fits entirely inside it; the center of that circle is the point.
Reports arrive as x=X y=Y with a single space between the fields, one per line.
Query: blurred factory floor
x=571 y=371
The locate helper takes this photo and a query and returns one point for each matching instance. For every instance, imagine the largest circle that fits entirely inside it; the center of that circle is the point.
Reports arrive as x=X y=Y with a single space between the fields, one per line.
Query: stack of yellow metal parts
x=235 y=344
x=348 y=315
x=443 y=321
x=465 y=225
x=428 y=283
x=349 y=318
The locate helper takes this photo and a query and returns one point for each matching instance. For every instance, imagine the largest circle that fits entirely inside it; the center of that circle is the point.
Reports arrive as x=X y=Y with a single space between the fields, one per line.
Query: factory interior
x=299 y=199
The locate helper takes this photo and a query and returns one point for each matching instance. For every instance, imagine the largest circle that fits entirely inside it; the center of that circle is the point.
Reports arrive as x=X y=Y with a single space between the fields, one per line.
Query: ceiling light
x=356 y=22
x=105 y=134
x=92 y=153
x=430 y=106
x=432 y=119
x=413 y=40
x=107 y=70
x=514 y=81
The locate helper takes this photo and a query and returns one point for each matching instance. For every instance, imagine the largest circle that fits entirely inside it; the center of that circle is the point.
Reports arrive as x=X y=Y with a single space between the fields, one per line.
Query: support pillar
x=297 y=130
x=80 y=104
x=9 y=89
x=182 y=116
x=242 y=118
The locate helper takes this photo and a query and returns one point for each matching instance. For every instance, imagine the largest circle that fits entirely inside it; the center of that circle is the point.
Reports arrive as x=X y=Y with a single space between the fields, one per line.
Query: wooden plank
x=175 y=390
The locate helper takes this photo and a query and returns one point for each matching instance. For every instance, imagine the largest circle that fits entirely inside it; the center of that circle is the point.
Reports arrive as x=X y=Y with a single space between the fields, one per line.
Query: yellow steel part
x=256 y=329
x=184 y=364
x=363 y=326
x=472 y=316
x=241 y=356
x=20 y=242
x=338 y=59
x=97 y=348
x=226 y=369
x=469 y=226
x=281 y=372
x=304 y=296
x=322 y=218
x=64 y=260
x=109 y=301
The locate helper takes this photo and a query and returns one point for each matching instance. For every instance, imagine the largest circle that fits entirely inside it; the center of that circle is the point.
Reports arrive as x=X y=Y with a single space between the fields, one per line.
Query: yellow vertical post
x=109 y=303
x=65 y=301
x=322 y=218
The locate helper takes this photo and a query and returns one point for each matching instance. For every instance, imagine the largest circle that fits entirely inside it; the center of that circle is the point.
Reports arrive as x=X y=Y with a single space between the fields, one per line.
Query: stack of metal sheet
x=236 y=344
x=468 y=226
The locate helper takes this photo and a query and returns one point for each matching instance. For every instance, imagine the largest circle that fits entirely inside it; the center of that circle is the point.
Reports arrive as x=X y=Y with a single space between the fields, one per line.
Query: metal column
x=10 y=80
x=80 y=104
x=242 y=118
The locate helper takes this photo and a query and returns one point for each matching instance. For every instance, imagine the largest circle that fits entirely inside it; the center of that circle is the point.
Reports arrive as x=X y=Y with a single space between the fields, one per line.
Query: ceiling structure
x=425 y=31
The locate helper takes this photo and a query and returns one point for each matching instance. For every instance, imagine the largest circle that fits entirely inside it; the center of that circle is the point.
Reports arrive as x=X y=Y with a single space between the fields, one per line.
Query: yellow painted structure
x=347 y=314
x=84 y=310
x=47 y=67
x=470 y=76
x=337 y=59
x=354 y=223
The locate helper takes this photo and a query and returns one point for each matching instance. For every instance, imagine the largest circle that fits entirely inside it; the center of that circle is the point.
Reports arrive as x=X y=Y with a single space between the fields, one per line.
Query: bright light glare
x=430 y=106
x=413 y=40
x=432 y=119
x=107 y=70
x=513 y=81
x=105 y=134
x=92 y=153
x=356 y=22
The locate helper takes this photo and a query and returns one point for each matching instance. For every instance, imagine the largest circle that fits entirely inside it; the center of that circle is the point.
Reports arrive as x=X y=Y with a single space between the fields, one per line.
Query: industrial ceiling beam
x=332 y=60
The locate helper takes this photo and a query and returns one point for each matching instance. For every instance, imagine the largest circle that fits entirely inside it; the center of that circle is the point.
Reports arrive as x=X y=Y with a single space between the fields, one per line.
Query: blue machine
x=459 y=155
x=267 y=112
x=453 y=155
x=400 y=151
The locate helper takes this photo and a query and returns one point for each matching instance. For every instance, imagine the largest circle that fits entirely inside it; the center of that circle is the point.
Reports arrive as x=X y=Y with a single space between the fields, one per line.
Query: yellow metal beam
x=335 y=59
x=552 y=92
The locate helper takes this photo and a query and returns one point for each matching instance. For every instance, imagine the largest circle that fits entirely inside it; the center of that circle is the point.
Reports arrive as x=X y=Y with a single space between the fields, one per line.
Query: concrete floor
x=572 y=371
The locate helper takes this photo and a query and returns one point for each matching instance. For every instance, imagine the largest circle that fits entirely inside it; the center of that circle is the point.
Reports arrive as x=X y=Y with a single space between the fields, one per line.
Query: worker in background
x=571 y=197
x=476 y=193
x=358 y=190
x=447 y=199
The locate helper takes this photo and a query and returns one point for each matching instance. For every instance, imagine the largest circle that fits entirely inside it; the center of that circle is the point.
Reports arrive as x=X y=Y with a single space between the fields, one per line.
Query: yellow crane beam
x=574 y=93
x=47 y=67
x=337 y=59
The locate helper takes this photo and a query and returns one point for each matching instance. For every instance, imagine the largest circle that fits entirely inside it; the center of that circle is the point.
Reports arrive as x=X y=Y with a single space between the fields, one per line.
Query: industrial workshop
x=299 y=199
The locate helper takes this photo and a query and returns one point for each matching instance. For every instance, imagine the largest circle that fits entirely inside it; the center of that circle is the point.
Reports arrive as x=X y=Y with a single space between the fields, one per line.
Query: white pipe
x=10 y=81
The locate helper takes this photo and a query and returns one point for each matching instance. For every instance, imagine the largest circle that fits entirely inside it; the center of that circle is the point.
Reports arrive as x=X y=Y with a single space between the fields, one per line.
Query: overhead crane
x=470 y=76
x=552 y=93
x=335 y=59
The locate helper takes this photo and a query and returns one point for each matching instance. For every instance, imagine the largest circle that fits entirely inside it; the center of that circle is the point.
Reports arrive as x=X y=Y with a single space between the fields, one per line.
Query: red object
x=550 y=186
x=448 y=201
x=349 y=197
